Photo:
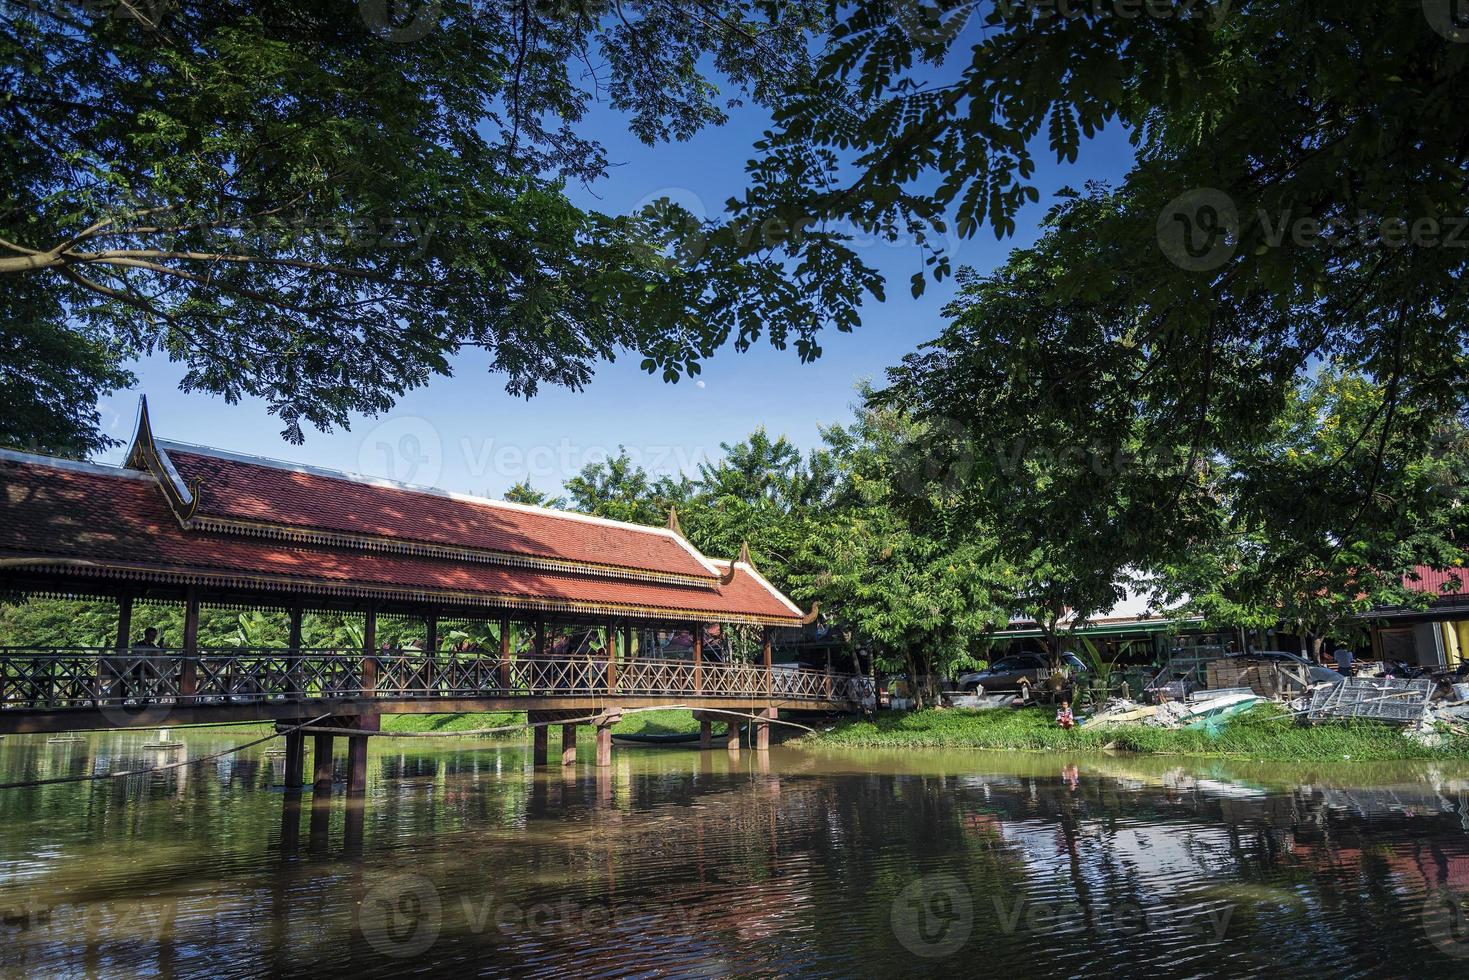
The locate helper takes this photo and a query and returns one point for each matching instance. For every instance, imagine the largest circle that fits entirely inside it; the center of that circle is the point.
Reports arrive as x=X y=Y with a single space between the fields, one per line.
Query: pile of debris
x=1397 y=701
x=1202 y=709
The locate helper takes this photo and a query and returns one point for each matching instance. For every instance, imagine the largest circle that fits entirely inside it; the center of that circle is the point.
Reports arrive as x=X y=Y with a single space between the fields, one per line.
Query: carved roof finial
x=673 y=521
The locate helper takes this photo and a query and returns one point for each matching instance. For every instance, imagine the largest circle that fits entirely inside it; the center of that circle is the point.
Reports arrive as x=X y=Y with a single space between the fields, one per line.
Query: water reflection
x=465 y=860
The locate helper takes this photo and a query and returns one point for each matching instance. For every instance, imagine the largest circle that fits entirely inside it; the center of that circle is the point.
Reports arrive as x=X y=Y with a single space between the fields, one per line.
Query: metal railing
x=54 y=678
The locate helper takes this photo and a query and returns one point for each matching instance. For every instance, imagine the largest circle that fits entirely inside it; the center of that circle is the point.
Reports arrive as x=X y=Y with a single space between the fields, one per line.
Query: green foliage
x=57 y=622
x=896 y=562
x=524 y=493
x=1262 y=733
x=1316 y=533
x=318 y=205
x=468 y=721
x=1085 y=393
x=620 y=489
x=1101 y=668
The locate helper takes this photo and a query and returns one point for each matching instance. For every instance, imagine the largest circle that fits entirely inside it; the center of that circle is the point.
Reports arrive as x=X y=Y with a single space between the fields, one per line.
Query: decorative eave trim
x=48 y=564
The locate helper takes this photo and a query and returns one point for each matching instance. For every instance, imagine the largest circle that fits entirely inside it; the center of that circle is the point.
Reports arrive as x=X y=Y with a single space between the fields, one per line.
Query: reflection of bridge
x=499 y=606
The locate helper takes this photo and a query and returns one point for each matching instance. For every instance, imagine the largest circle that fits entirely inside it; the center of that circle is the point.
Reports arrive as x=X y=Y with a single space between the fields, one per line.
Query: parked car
x=1008 y=673
x=1317 y=673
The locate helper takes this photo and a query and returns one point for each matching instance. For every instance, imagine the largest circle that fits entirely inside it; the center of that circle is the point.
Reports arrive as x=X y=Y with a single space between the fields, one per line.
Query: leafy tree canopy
x=318 y=204
x=1299 y=197
x=1281 y=553
x=524 y=493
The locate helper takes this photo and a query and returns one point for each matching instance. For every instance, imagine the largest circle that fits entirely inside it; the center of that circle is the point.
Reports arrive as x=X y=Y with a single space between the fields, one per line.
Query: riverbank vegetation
x=1265 y=733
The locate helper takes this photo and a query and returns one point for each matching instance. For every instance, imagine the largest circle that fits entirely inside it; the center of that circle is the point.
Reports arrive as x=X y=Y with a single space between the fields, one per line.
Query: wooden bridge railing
x=57 y=678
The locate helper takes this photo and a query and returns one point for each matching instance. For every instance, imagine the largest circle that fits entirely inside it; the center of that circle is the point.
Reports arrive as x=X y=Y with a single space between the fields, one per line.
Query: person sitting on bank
x=1064 y=717
x=1343 y=657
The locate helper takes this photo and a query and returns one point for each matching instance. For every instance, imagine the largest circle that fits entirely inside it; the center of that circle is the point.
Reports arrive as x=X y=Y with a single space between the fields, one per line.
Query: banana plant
x=1099 y=665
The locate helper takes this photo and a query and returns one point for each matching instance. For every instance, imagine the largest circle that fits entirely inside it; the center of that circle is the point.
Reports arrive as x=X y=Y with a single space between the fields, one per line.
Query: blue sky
x=465 y=433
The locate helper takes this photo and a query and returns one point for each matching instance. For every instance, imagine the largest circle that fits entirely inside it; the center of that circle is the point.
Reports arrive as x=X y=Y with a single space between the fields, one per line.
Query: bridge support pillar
x=762 y=729
x=321 y=761
x=604 y=744
x=732 y=735
x=538 y=743
x=295 y=760
x=356 y=765
x=568 y=745
x=357 y=754
x=706 y=733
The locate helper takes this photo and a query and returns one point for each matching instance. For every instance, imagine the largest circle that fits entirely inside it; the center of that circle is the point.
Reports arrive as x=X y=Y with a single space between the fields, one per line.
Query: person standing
x=1343 y=657
x=147 y=667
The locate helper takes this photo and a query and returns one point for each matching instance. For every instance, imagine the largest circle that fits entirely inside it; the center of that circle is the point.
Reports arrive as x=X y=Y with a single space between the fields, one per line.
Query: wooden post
x=189 y=668
x=505 y=653
x=604 y=744
x=696 y=630
x=762 y=730
x=431 y=653
x=124 y=621
x=369 y=650
x=767 y=653
x=611 y=657
x=706 y=733
x=295 y=760
x=111 y=684
x=538 y=743
x=538 y=671
x=322 y=763
x=293 y=672
x=732 y=735
x=568 y=745
x=356 y=765
x=357 y=754
x=627 y=651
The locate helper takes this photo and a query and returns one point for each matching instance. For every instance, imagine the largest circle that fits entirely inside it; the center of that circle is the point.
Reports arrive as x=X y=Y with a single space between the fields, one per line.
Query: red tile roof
x=299 y=497
x=120 y=522
x=1438 y=581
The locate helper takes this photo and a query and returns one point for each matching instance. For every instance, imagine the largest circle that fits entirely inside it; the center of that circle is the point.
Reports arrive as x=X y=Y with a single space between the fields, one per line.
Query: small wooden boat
x=656 y=738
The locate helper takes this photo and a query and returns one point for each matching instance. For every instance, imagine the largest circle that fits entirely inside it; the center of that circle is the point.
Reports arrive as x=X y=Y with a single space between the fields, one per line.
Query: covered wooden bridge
x=577 y=616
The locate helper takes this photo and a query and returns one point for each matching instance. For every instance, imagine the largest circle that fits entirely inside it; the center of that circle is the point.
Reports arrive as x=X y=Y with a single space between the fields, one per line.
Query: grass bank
x=643 y=722
x=1264 y=733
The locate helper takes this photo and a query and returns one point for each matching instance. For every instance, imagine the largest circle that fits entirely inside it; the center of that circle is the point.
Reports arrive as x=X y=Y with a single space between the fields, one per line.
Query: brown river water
x=465 y=861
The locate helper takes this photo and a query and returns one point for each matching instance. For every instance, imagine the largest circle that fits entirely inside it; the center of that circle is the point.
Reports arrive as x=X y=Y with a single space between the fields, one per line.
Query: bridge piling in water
x=321 y=760
x=568 y=745
x=762 y=728
x=295 y=760
x=538 y=745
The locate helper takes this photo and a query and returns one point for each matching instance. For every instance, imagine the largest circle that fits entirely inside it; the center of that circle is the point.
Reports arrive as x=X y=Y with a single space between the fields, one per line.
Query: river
x=463 y=860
